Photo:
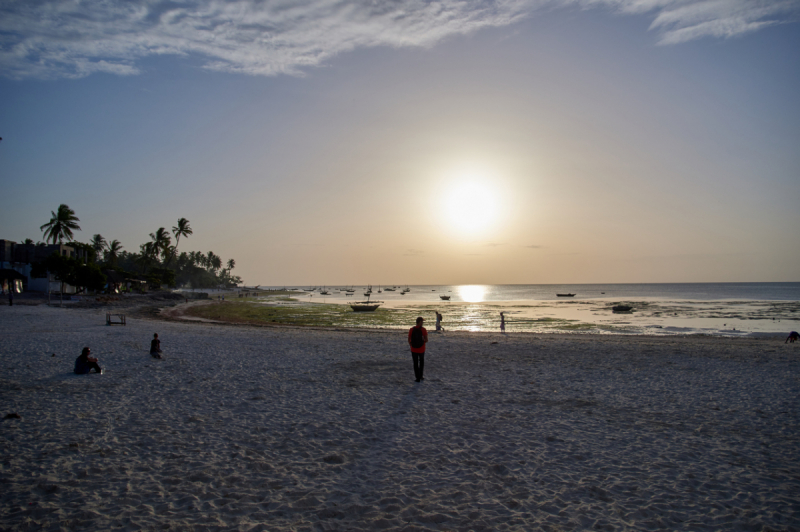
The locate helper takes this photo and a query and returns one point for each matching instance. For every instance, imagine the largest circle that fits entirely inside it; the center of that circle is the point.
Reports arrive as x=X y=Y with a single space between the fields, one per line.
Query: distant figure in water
x=793 y=337
x=502 y=323
x=155 y=346
x=84 y=363
x=438 y=322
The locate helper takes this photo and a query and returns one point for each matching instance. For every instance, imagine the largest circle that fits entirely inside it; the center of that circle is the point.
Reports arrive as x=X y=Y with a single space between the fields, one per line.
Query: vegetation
x=157 y=261
x=84 y=276
x=61 y=225
x=272 y=310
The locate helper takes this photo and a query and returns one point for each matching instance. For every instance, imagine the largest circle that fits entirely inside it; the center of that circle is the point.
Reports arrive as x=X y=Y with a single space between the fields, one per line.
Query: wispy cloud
x=57 y=38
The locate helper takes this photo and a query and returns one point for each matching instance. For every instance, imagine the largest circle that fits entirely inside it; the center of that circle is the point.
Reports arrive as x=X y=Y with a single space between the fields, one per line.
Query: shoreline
x=667 y=318
x=291 y=428
x=583 y=317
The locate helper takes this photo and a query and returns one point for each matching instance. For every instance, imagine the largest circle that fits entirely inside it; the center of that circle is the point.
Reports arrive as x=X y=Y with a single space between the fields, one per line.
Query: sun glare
x=471 y=206
x=473 y=293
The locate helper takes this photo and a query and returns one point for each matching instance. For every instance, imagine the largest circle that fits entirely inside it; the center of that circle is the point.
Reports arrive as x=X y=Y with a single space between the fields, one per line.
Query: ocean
x=717 y=309
x=543 y=292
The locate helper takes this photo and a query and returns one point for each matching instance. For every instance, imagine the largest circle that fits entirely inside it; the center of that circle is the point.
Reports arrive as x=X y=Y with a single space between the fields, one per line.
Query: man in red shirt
x=417 y=338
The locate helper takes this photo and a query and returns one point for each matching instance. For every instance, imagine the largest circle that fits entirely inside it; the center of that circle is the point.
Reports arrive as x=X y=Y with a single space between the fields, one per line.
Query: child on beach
x=155 y=347
x=84 y=363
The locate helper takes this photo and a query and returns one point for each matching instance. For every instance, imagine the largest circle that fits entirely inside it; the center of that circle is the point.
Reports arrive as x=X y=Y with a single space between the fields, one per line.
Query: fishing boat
x=365 y=306
x=444 y=297
x=622 y=308
x=565 y=295
x=388 y=289
x=405 y=290
x=324 y=291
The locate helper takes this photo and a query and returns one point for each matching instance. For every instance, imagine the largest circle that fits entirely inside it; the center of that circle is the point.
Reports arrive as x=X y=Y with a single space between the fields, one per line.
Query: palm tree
x=146 y=255
x=113 y=252
x=231 y=264
x=216 y=262
x=182 y=229
x=161 y=242
x=61 y=225
x=99 y=244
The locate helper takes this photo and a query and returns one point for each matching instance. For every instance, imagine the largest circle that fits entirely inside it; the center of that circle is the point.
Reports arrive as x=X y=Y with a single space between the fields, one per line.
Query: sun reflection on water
x=472 y=293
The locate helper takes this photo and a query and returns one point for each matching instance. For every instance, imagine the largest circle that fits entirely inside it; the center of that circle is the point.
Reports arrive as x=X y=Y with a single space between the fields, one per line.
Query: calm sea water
x=541 y=292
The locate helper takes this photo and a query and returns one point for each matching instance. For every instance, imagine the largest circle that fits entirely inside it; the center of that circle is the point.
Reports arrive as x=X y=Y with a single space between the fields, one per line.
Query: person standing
x=438 y=321
x=155 y=347
x=417 y=338
x=502 y=323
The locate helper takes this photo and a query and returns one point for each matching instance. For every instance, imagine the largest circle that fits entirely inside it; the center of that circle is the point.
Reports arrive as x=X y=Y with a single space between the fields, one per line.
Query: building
x=21 y=257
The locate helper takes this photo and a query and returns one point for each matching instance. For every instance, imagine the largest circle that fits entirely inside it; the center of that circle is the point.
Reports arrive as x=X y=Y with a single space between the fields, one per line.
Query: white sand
x=245 y=428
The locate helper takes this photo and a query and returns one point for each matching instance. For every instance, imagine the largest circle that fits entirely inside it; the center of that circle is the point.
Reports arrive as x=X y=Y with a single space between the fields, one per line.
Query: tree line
x=157 y=262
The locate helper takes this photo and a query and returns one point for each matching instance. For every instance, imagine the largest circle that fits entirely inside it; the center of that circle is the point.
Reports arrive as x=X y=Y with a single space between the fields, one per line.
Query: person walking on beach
x=792 y=338
x=84 y=363
x=155 y=347
x=502 y=323
x=438 y=321
x=417 y=338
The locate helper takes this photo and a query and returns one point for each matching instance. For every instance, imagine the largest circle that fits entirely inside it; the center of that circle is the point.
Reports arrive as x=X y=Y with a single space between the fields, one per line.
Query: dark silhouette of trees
x=61 y=225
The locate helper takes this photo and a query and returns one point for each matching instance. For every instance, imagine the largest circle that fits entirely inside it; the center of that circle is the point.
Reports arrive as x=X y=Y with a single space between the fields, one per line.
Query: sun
x=471 y=206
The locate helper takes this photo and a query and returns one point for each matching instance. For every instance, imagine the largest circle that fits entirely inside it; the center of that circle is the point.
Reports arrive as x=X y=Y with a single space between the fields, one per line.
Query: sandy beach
x=282 y=428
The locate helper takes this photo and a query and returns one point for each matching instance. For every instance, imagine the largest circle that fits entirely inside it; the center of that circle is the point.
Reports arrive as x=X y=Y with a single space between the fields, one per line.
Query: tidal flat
x=725 y=318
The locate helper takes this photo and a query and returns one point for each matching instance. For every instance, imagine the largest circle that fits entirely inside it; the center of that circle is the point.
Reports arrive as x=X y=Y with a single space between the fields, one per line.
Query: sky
x=414 y=142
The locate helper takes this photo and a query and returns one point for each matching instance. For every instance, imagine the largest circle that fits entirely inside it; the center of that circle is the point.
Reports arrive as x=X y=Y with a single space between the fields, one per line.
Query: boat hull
x=364 y=308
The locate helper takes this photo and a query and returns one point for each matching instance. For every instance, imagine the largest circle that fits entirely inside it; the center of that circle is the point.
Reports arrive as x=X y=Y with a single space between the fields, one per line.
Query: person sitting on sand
x=155 y=346
x=793 y=337
x=84 y=363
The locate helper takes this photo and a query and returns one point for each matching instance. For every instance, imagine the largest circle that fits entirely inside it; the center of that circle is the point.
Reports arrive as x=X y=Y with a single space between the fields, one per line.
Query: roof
x=7 y=273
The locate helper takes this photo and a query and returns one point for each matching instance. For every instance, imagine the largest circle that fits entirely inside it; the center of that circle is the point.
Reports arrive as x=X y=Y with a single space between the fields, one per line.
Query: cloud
x=534 y=246
x=57 y=38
